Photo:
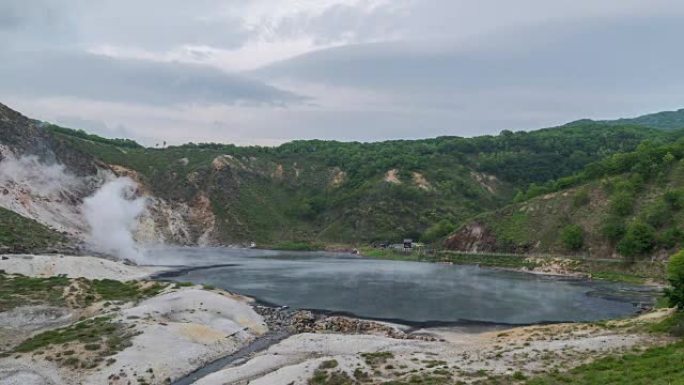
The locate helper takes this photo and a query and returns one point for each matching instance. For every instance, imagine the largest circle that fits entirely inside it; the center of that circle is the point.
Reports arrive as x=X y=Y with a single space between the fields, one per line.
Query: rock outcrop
x=473 y=237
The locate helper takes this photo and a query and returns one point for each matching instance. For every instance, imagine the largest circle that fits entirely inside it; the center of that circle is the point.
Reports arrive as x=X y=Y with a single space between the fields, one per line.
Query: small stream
x=242 y=355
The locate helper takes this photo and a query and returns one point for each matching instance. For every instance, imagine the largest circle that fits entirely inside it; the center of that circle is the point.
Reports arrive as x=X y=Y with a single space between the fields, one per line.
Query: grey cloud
x=158 y=25
x=456 y=66
x=88 y=76
x=38 y=23
x=342 y=22
x=155 y=25
x=609 y=56
x=16 y=14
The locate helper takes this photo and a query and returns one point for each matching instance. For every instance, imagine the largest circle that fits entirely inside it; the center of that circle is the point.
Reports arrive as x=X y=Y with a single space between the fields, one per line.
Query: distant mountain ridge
x=664 y=120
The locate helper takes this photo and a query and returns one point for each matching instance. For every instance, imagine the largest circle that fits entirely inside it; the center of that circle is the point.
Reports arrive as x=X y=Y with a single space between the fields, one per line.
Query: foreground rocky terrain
x=86 y=320
x=78 y=324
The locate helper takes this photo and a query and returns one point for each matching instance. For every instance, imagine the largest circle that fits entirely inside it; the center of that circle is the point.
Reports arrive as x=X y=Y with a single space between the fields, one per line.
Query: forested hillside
x=333 y=192
x=664 y=120
x=629 y=205
x=327 y=191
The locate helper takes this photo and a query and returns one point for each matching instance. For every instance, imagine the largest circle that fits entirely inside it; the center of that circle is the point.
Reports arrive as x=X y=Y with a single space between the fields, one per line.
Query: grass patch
x=424 y=379
x=377 y=358
x=111 y=290
x=112 y=336
x=18 y=290
x=21 y=291
x=673 y=324
x=615 y=276
x=392 y=254
x=662 y=302
x=18 y=234
x=298 y=246
x=493 y=260
x=656 y=366
x=328 y=364
x=322 y=377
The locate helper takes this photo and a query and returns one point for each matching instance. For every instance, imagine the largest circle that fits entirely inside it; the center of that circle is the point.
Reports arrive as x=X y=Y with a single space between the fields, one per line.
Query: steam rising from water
x=112 y=214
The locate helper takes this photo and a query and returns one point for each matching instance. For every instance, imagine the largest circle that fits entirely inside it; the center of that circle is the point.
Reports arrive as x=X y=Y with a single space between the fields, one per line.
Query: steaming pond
x=408 y=292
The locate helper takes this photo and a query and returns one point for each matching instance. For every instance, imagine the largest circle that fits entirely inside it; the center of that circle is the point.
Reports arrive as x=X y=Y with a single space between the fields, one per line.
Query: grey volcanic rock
x=22 y=377
x=30 y=318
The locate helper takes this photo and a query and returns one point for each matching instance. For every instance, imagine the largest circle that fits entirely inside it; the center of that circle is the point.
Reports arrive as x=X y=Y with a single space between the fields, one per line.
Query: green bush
x=670 y=237
x=438 y=230
x=675 y=275
x=573 y=237
x=639 y=240
x=613 y=228
x=658 y=214
x=674 y=198
x=622 y=204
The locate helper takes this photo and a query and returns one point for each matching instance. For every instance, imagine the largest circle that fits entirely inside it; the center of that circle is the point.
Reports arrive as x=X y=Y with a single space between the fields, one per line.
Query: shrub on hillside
x=613 y=228
x=622 y=203
x=573 y=237
x=658 y=214
x=639 y=240
x=438 y=230
x=670 y=237
x=674 y=199
x=675 y=275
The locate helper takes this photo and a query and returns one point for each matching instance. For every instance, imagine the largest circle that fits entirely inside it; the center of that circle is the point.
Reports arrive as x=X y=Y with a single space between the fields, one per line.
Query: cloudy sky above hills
x=264 y=72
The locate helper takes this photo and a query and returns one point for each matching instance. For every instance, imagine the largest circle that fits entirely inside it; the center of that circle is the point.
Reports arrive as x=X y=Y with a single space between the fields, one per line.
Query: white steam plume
x=112 y=213
x=41 y=191
x=43 y=179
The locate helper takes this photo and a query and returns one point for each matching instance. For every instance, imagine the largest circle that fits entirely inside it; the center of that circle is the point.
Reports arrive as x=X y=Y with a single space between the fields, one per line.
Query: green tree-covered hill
x=346 y=192
x=664 y=120
x=328 y=191
x=628 y=205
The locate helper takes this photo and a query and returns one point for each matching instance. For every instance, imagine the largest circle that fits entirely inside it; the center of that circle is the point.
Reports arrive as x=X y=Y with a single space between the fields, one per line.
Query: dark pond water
x=413 y=292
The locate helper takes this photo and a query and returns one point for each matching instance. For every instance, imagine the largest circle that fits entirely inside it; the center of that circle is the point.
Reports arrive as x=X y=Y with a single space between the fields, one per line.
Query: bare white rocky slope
x=171 y=334
x=72 y=267
x=52 y=194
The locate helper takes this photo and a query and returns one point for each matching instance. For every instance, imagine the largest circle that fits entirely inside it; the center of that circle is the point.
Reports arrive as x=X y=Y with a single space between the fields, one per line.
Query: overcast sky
x=268 y=71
